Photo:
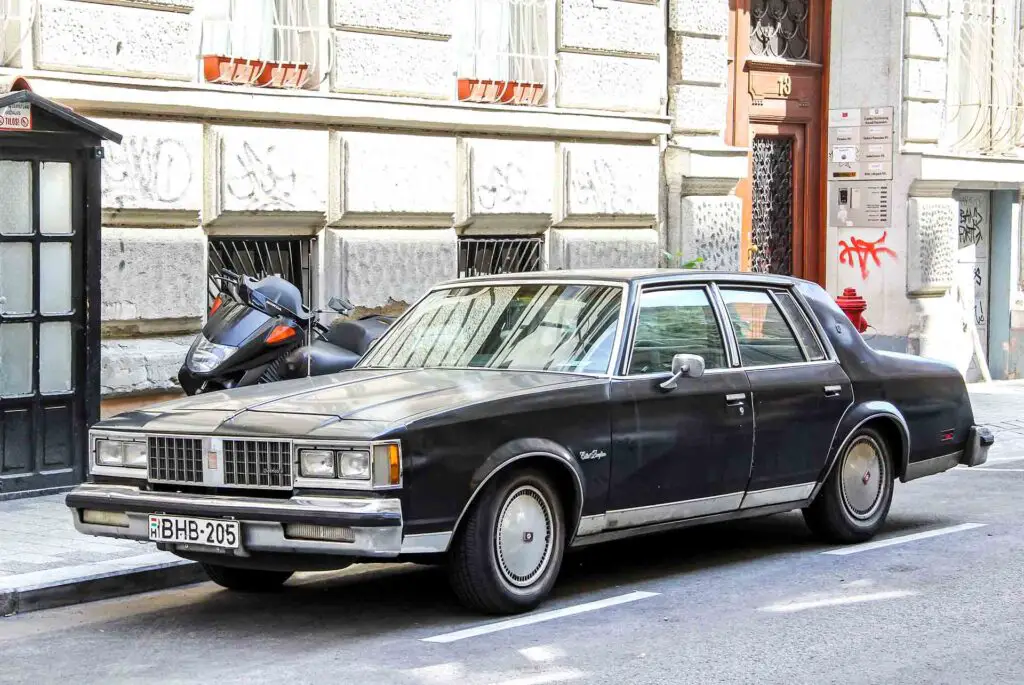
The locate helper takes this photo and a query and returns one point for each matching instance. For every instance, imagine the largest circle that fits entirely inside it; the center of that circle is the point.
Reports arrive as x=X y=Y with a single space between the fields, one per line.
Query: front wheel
x=508 y=554
x=855 y=499
x=246 y=580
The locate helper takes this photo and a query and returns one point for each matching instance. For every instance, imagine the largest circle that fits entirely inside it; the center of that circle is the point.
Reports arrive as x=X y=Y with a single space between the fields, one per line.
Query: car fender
x=515 y=451
x=855 y=417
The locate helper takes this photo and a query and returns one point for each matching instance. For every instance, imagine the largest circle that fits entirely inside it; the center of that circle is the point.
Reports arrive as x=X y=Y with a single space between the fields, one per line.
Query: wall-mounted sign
x=860 y=204
x=16 y=117
x=860 y=143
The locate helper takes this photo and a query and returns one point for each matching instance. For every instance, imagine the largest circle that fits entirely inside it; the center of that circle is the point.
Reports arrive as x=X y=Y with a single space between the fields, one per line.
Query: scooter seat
x=317 y=359
x=356 y=335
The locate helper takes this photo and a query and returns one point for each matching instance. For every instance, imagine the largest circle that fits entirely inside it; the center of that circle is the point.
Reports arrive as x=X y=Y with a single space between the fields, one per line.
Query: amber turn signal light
x=394 y=465
x=280 y=334
x=216 y=305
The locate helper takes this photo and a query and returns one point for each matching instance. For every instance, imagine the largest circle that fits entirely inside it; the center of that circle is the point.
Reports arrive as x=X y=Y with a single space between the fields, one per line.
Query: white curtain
x=503 y=40
x=239 y=28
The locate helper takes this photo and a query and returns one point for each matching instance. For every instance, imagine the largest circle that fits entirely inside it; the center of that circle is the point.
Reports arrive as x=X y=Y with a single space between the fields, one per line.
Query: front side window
x=763 y=336
x=540 y=327
x=672 y=322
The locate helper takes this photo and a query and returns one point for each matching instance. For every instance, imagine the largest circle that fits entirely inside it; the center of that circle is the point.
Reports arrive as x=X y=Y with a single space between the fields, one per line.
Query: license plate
x=209 y=532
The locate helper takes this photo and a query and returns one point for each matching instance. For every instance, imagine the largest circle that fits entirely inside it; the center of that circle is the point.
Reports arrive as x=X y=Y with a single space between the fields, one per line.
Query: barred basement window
x=778 y=28
x=264 y=43
x=487 y=256
x=505 y=51
x=289 y=258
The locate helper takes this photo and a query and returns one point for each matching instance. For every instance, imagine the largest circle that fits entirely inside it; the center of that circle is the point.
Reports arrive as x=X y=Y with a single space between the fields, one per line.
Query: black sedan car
x=504 y=419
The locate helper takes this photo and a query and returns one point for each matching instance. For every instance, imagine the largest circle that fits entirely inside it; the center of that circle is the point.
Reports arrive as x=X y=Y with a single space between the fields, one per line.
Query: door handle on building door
x=833 y=390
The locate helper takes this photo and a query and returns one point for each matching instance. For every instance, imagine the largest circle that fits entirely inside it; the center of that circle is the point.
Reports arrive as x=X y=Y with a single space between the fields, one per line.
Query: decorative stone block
x=616 y=27
x=391 y=179
x=922 y=121
x=927 y=37
x=698 y=60
x=423 y=16
x=83 y=36
x=506 y=179
x=153 y=273
x=710 y=227
x=378 y=267
x=129 y=366
x=391 y=65
x=926 y=79
x=702 y=17
x=931 y=245
x=608 y=182
x=594 y=248
x=698 y=109
x=610 y=83
x=279 y=172
x=155 y=173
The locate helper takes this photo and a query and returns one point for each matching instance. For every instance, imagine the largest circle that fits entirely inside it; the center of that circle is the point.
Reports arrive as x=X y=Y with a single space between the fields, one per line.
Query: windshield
x=541 y=327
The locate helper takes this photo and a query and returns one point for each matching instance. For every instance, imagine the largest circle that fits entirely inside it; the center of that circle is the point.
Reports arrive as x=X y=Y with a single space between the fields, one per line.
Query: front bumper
x=978 y=442
x=375 y=523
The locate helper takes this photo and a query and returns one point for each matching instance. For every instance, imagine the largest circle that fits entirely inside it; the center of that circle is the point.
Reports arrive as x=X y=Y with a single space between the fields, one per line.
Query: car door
x=683 y=452
x=799 y=392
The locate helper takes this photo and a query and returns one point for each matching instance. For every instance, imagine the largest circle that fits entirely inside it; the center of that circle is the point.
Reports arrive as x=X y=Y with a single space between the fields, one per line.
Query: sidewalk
x=45 y=562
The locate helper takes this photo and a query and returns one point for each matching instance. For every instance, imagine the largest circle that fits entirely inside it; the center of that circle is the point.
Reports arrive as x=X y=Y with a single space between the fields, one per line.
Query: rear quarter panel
x=930 y=395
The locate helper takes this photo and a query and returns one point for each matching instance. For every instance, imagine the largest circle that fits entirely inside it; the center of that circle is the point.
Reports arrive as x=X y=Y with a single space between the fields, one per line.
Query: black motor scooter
x=255 y=327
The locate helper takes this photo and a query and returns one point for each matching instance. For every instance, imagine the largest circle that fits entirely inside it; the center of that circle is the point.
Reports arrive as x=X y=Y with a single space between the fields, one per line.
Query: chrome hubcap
x=523 y=537
x=863 y=478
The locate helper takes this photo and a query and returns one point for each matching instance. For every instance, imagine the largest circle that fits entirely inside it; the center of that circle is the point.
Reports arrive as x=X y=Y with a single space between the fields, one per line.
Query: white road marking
x=539 y=618
x=789 y=607
x=889 y=542
x=999 y=460
x=542 y=653
x=978 y=469
x=439 y=674
x=542 y=678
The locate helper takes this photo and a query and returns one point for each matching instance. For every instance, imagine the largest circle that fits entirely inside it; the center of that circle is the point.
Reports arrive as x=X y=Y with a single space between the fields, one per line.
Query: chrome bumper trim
x=978 y=443
x=376 y=522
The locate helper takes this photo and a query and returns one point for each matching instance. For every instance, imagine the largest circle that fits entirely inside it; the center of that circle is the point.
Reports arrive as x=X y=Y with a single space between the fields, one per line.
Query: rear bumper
x=375 y=523
x=978 y=443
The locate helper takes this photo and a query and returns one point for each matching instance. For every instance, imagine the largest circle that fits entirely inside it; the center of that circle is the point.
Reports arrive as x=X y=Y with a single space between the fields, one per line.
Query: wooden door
x=778 y=51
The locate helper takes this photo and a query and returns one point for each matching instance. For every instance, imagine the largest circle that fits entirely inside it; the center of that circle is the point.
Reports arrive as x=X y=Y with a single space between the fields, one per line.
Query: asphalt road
x=747 y=602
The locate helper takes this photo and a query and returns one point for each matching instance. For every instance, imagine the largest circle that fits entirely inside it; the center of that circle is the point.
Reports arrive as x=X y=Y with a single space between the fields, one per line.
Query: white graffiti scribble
x=505 y=187
x=258 y=183
x=599 y=190
x=145 y=171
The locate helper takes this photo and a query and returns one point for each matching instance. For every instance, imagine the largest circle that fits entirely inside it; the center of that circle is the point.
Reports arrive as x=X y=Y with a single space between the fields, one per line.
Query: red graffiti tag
x=864 y=250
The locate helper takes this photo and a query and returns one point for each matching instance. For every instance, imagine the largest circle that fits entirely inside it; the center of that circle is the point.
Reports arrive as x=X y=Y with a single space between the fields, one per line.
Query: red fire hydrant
x=853 y=305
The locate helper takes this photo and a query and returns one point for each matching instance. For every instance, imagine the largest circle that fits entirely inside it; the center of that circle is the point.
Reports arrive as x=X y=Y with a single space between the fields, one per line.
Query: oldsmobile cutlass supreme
x=502 y=420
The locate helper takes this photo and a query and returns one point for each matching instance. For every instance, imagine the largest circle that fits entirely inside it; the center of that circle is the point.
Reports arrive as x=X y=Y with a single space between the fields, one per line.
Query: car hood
x=367 y=402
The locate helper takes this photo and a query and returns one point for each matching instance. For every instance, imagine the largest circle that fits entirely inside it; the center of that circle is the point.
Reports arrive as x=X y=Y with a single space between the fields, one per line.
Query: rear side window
x=802 y=328
x=763 y=336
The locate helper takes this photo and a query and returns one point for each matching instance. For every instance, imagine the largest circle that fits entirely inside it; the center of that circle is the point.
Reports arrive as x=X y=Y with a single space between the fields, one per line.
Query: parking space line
x=539 y=617
x=789 y=607
x=902 y=539
x=978 y=469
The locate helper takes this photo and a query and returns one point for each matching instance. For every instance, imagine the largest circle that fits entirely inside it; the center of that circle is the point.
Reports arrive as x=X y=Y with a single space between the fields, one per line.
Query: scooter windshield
x=234 y=323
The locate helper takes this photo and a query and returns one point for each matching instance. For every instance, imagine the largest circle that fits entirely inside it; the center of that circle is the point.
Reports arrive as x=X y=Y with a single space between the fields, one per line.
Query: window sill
x=115 y=96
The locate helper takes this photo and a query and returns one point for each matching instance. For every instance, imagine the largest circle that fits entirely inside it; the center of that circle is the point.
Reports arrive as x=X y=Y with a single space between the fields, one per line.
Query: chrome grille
x=257 y=463
x=176 y=460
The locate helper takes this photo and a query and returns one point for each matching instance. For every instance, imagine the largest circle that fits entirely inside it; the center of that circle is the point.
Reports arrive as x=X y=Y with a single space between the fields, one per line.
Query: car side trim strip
x=930 y=467
x=786 y=493
x=426 y=543
x=669 y=511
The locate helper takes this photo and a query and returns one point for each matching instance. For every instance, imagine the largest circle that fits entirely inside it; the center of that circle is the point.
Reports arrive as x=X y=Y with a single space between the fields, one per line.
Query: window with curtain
x=504 y=41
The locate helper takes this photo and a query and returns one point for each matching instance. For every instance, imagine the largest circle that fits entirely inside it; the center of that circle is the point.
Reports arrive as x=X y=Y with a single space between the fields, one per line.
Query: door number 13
x=785 y=85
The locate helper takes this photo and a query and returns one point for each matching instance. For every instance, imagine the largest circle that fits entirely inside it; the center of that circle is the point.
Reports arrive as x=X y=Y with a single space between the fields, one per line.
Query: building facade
x=368 y=148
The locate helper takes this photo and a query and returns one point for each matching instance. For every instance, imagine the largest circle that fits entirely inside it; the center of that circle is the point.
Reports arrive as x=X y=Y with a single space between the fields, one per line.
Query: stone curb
x=90 y=582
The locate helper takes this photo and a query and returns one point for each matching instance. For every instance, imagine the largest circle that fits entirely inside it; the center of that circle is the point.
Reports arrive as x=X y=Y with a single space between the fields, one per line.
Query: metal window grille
x=265 y=43
x=487 y=256
x=505 y=51
x=289 y=258
x=778 y=28
x=772 y=208
x=16 y=20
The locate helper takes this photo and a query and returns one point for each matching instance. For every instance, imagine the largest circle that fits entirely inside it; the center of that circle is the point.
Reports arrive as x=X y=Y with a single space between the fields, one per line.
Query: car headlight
x=206 y=356
x=126 y=453
x=317 y=463
x=354 y=465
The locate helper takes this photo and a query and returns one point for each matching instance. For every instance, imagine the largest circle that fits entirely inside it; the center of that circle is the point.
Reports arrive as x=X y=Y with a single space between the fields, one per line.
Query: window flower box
x=236 y=70
x=284 y=75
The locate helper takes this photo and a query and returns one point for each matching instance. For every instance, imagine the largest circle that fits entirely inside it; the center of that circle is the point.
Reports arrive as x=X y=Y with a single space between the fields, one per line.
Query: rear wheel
x=246 y=580
x=855 y=499
x=508 y=554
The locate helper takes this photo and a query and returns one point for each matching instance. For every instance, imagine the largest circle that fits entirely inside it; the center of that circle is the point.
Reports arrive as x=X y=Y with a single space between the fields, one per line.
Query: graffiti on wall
x=859 y=252
x=503 y=188
x=258 y=179
x=598 y=189
x=146 y=172
x=970 y=225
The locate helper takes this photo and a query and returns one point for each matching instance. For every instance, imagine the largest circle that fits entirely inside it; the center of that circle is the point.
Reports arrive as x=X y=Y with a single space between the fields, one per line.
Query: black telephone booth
x=49 y=290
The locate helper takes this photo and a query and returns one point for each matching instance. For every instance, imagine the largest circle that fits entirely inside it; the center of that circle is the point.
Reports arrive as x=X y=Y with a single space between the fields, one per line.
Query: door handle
x=736 y=399
x=833 y=390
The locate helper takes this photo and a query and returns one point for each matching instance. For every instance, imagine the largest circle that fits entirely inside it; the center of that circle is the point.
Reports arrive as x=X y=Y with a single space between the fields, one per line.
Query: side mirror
x=339 y=305
x=684 y=365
